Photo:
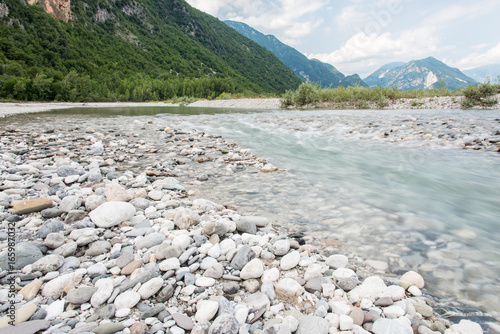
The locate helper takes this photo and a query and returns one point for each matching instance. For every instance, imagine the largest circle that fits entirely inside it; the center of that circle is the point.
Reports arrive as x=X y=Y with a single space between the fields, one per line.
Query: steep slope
x=383 y=75
x=306 y=69
x=420 y=74
x=129 y=50
x=483 y=73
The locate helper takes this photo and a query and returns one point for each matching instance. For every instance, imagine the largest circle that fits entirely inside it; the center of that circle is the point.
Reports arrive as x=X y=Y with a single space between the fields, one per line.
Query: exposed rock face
x=60 y=9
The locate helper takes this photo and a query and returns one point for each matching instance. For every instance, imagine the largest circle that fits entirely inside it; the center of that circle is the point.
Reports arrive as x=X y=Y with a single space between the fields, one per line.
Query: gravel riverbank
x=6 y=109
x=106 y=244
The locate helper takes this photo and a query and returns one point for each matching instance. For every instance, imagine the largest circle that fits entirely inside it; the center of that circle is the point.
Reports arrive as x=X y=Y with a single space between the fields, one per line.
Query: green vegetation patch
x=310 y=95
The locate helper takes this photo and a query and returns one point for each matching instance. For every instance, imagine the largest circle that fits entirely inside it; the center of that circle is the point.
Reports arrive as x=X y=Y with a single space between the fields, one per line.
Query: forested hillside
x=124 y=50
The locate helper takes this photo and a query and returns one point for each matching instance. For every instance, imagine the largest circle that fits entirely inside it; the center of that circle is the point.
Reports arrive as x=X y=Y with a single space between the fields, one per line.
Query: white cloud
x=462 y=12
x=492 y=56
x=289 y=19
x=211 y=7
x=363 y=52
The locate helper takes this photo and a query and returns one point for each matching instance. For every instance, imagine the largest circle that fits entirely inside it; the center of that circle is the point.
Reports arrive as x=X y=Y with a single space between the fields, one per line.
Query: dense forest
x=124 y=50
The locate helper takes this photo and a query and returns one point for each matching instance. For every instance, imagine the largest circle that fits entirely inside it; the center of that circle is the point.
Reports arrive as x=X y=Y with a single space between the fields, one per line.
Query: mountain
x=383 y=75
x=306 y=69
x=483 y=73
x=426 y=73
x=98 y=50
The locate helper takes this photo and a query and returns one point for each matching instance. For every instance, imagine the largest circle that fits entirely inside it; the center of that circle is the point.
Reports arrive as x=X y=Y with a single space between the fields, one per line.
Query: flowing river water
x=394 y=188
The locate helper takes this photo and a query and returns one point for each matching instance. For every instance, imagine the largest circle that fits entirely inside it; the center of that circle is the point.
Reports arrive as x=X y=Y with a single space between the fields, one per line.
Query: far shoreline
x=435 y=103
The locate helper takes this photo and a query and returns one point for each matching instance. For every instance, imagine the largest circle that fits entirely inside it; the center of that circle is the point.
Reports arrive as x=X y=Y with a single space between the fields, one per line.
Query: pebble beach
x=107 y=244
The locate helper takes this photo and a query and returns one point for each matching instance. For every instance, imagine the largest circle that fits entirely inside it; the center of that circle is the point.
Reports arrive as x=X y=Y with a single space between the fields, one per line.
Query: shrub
x=307 y=94
x=480 y=95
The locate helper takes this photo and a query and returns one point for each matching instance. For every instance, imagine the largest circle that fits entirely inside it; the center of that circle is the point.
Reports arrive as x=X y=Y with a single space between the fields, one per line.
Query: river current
x=408 y=201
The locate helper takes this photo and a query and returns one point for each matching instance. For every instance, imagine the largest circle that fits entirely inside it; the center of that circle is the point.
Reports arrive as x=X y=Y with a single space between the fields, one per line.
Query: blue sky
x=359 y=36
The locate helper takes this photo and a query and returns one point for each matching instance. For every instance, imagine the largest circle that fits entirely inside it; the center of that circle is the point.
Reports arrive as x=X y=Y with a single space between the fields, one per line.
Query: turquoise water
x=439 y=204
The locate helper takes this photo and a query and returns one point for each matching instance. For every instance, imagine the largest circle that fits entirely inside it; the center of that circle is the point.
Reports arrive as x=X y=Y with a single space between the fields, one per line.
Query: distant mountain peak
x=484 y=73
x=424 y=73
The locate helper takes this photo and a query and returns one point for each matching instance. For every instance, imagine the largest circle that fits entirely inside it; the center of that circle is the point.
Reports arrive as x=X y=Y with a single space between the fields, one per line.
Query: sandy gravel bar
x=239 y=103
x=7 y=109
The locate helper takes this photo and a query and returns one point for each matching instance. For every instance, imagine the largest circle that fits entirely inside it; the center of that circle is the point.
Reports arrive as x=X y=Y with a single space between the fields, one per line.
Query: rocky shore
x=438 y=102
x=105 y=243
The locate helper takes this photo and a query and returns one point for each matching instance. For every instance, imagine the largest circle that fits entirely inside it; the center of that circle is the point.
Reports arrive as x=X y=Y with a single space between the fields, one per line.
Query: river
x=395 y=188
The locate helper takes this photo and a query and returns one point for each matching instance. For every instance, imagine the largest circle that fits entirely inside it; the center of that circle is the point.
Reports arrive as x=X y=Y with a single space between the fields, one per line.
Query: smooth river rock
x=111 y=214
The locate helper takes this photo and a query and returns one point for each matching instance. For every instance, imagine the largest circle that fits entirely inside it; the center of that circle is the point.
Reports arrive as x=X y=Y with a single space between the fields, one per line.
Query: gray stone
x=345 y=278
x=149 y=240
x=242 y=257
x=54 y=240
x=215 y=228
x=71 y=262
x=111 y=214
x=225 y=306
x=199 y=240
x=183 y=321
x=80 y=295
x=153 y=311
x=215 y=271
x=165 y=294
x=151 y=287
x=280 y=247
x=166 y=251
x=257 y=301
x=40 y=314
x=140 y=203
x=315 y=284
x=55 y=287
x=69 y=203
x=92 y=202
x=384 y=301
x=189 y=279
x=127 y=299
x=29 y=327
x=94 y=177
x=51 y=213
x=52 y=226
x=231 y=288
x=142 y=278
x=106 y=311
x=267 y=288
x=224 y=324
x=68 y=170
x=124 y=259
x=246 y=226
x=48 y=263
x=187 y=254
x=309 y=324
x=26 y=253
x=96 y=270
x=67 y=249
x=168 y=183
x=74 y=216
x=98 y=248
x=108 y=328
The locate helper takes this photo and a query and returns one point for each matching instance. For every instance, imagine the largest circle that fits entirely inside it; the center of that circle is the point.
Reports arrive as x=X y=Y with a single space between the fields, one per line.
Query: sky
x=359 y=36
